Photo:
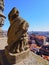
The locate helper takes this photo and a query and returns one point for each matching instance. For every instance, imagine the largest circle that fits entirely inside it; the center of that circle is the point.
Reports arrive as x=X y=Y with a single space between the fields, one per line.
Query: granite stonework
x=17 y=48
x=17 y=57
x=2 y=17
x=29 y=59
x=17 y=32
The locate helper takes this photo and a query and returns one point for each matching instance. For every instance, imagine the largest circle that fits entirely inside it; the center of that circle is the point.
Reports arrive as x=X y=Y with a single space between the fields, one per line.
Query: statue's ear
x=14 y=13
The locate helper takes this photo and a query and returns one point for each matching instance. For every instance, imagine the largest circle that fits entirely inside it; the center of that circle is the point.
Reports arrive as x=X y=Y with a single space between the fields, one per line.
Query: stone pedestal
x=24 y=58
x=16 y=57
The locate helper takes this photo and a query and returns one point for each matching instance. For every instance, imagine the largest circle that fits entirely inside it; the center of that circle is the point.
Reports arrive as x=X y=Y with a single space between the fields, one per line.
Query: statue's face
x=1 y=21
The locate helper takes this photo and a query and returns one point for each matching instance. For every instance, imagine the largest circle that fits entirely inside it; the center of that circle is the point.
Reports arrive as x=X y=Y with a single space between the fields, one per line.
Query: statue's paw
x=26 y=48
x=17 y=51
x=13 y=51
x=21 y=50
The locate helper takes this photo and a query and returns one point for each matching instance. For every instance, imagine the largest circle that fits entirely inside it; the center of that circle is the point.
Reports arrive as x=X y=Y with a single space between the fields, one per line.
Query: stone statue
x=17 y=32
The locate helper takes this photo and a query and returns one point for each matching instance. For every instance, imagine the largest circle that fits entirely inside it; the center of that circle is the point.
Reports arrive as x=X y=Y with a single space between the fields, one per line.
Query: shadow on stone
x=3 y=59
x=7 y=58
x=15 y=58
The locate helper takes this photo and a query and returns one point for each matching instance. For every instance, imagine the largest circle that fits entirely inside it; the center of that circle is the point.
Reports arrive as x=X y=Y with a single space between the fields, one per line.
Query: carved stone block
x=17 y=57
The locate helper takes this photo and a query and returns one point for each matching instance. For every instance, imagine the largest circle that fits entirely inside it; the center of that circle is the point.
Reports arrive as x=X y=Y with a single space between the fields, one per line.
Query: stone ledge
x=31 y=59
x=17 y=57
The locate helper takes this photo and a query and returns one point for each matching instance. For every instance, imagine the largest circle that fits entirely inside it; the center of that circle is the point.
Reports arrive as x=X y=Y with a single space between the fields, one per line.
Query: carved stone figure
x=2 y=17
x=17 y=33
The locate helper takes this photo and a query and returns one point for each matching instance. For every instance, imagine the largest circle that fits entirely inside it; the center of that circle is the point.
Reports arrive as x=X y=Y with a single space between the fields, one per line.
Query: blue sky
x=35 y=12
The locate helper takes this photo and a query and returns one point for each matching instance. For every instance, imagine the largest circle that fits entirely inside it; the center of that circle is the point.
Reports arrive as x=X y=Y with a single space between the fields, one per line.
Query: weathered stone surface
x=17 y=32
x=2 y=17
x=2 y=4
x=31 y=59
x=17 y=38
x=14 y=13
x=17 y=57
x=26 y=58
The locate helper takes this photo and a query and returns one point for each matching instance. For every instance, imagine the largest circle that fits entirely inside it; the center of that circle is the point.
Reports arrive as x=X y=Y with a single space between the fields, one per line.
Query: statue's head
x=14 y=13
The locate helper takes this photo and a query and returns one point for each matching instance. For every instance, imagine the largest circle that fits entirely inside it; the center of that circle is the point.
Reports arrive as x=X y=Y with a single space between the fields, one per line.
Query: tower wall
x=2 y=17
